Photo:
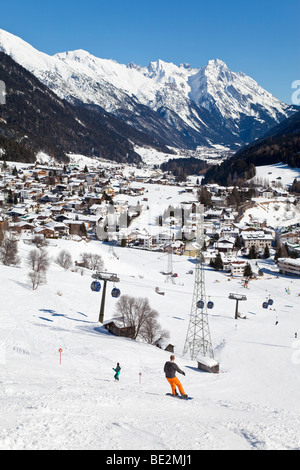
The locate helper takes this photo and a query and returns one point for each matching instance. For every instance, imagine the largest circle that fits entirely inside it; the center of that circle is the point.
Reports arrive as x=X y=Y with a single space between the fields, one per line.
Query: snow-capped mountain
x=179 y=105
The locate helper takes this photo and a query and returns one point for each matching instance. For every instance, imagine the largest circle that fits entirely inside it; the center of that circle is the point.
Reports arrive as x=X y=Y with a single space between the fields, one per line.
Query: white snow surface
x=253 y=403
x=271 y=173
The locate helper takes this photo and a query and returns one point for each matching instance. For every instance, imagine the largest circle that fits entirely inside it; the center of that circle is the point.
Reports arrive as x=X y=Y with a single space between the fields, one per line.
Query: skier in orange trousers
x=170 y=370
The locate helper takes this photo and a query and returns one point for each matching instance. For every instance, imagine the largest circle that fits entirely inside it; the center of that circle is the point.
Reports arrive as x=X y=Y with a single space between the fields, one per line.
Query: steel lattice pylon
x=169 y=277
x=198 y=339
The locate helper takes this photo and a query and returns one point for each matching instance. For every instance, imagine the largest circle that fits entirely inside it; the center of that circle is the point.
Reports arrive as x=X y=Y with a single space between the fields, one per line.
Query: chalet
x=163 y=236
x=164 y=345
x=47 y=232
x=117 y=328
x=136 y=190
x=289 y=266
x=17 y=212
x=75 y=227
x=59 y=228
x=266 y=193
x=92 y=199
x=258 y=239
x=218 y=201
x=237 y=268
x=288 y=237
x=176 y=247
x=209 y=255
x=96 y=208
x=24 y=226
x=213 y=214
x=146 y=241
x=192 y=249
x=49 y=197
x=229 y=232
x=279 y=192
x=60 y=188
x=90 y=179
x=224 y=245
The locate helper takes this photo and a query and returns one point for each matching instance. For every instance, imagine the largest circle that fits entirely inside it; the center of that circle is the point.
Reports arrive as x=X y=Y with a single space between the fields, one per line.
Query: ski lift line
x=274 y=294
x=184 y=292
x=151 y=287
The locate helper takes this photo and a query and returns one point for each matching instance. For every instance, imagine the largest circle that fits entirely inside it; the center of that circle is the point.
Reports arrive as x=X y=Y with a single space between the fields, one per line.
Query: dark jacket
x=170 y=370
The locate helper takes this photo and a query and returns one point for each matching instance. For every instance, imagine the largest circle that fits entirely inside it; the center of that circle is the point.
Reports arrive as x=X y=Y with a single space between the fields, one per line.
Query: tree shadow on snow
x=53 y=313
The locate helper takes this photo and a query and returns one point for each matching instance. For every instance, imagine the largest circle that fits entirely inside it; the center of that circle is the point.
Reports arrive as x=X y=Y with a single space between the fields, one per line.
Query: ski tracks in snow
x=74 y=413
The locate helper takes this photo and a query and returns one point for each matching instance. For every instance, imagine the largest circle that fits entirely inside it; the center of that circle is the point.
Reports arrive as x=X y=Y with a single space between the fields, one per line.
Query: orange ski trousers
x=176 y=383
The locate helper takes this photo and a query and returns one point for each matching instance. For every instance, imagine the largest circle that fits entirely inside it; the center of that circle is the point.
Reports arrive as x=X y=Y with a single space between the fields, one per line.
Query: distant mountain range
x=162 y=104
x=35 y=119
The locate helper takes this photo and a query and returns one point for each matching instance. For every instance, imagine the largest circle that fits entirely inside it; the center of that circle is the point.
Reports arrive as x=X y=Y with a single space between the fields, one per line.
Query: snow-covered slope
x=253 y=403
x=209 y=105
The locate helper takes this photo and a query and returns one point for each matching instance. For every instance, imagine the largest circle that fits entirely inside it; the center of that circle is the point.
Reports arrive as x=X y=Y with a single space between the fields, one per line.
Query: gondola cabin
x=200 y=304
x=96 y=286
x=115 y=293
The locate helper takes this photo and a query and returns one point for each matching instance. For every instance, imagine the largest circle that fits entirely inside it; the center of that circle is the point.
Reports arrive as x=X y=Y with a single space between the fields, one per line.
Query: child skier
x=117 y=372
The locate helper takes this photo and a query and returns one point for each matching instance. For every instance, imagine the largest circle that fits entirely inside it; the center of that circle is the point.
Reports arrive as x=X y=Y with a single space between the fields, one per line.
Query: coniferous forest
x=35 y=119
x=280 y=145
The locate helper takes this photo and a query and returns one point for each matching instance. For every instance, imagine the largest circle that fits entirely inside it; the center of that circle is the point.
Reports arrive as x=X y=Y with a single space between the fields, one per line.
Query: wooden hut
x=208 y=364
x=117 y=328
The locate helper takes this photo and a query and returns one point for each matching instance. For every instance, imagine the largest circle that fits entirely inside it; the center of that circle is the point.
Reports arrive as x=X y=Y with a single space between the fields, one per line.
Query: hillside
x=252 y=404
x=281 y=145
x=36 y=119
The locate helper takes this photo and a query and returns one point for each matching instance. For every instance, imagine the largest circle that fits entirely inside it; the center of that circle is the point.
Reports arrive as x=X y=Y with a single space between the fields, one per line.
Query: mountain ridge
x=187 y=107
x=35 y=119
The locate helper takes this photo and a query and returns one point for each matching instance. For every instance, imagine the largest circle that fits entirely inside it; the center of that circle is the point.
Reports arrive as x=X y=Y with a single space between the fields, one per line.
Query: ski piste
x=178 y=396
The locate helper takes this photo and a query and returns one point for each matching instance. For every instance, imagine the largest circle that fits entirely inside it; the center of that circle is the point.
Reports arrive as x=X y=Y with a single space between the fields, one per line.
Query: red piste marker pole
x=140 y=378
x=60 y=351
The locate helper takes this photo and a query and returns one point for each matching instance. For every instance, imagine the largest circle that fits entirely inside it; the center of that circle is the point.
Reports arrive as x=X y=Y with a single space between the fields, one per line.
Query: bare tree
x=137 y=314
x=92 y=261
x=39 y=241
x=9 y=251
x=151 y=331
x=1 y=236
x=39 y=262
x=64 y=259
x=32 y=259
x=36 y=279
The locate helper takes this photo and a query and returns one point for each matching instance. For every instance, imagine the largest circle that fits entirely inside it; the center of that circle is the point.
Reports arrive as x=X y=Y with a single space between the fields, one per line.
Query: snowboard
x=178 y=396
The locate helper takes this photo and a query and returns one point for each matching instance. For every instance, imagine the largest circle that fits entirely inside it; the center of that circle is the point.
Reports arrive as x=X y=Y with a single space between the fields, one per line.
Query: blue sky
x=260 y=38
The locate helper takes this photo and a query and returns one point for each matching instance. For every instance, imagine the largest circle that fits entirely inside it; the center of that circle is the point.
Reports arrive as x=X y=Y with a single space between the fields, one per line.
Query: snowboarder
x=170 y=370
x=117 y=371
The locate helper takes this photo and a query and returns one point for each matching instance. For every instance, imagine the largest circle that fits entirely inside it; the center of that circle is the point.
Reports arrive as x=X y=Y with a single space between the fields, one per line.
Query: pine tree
x=248 y=271
x=266 y=252
x=252 y=252
x=218 y=265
